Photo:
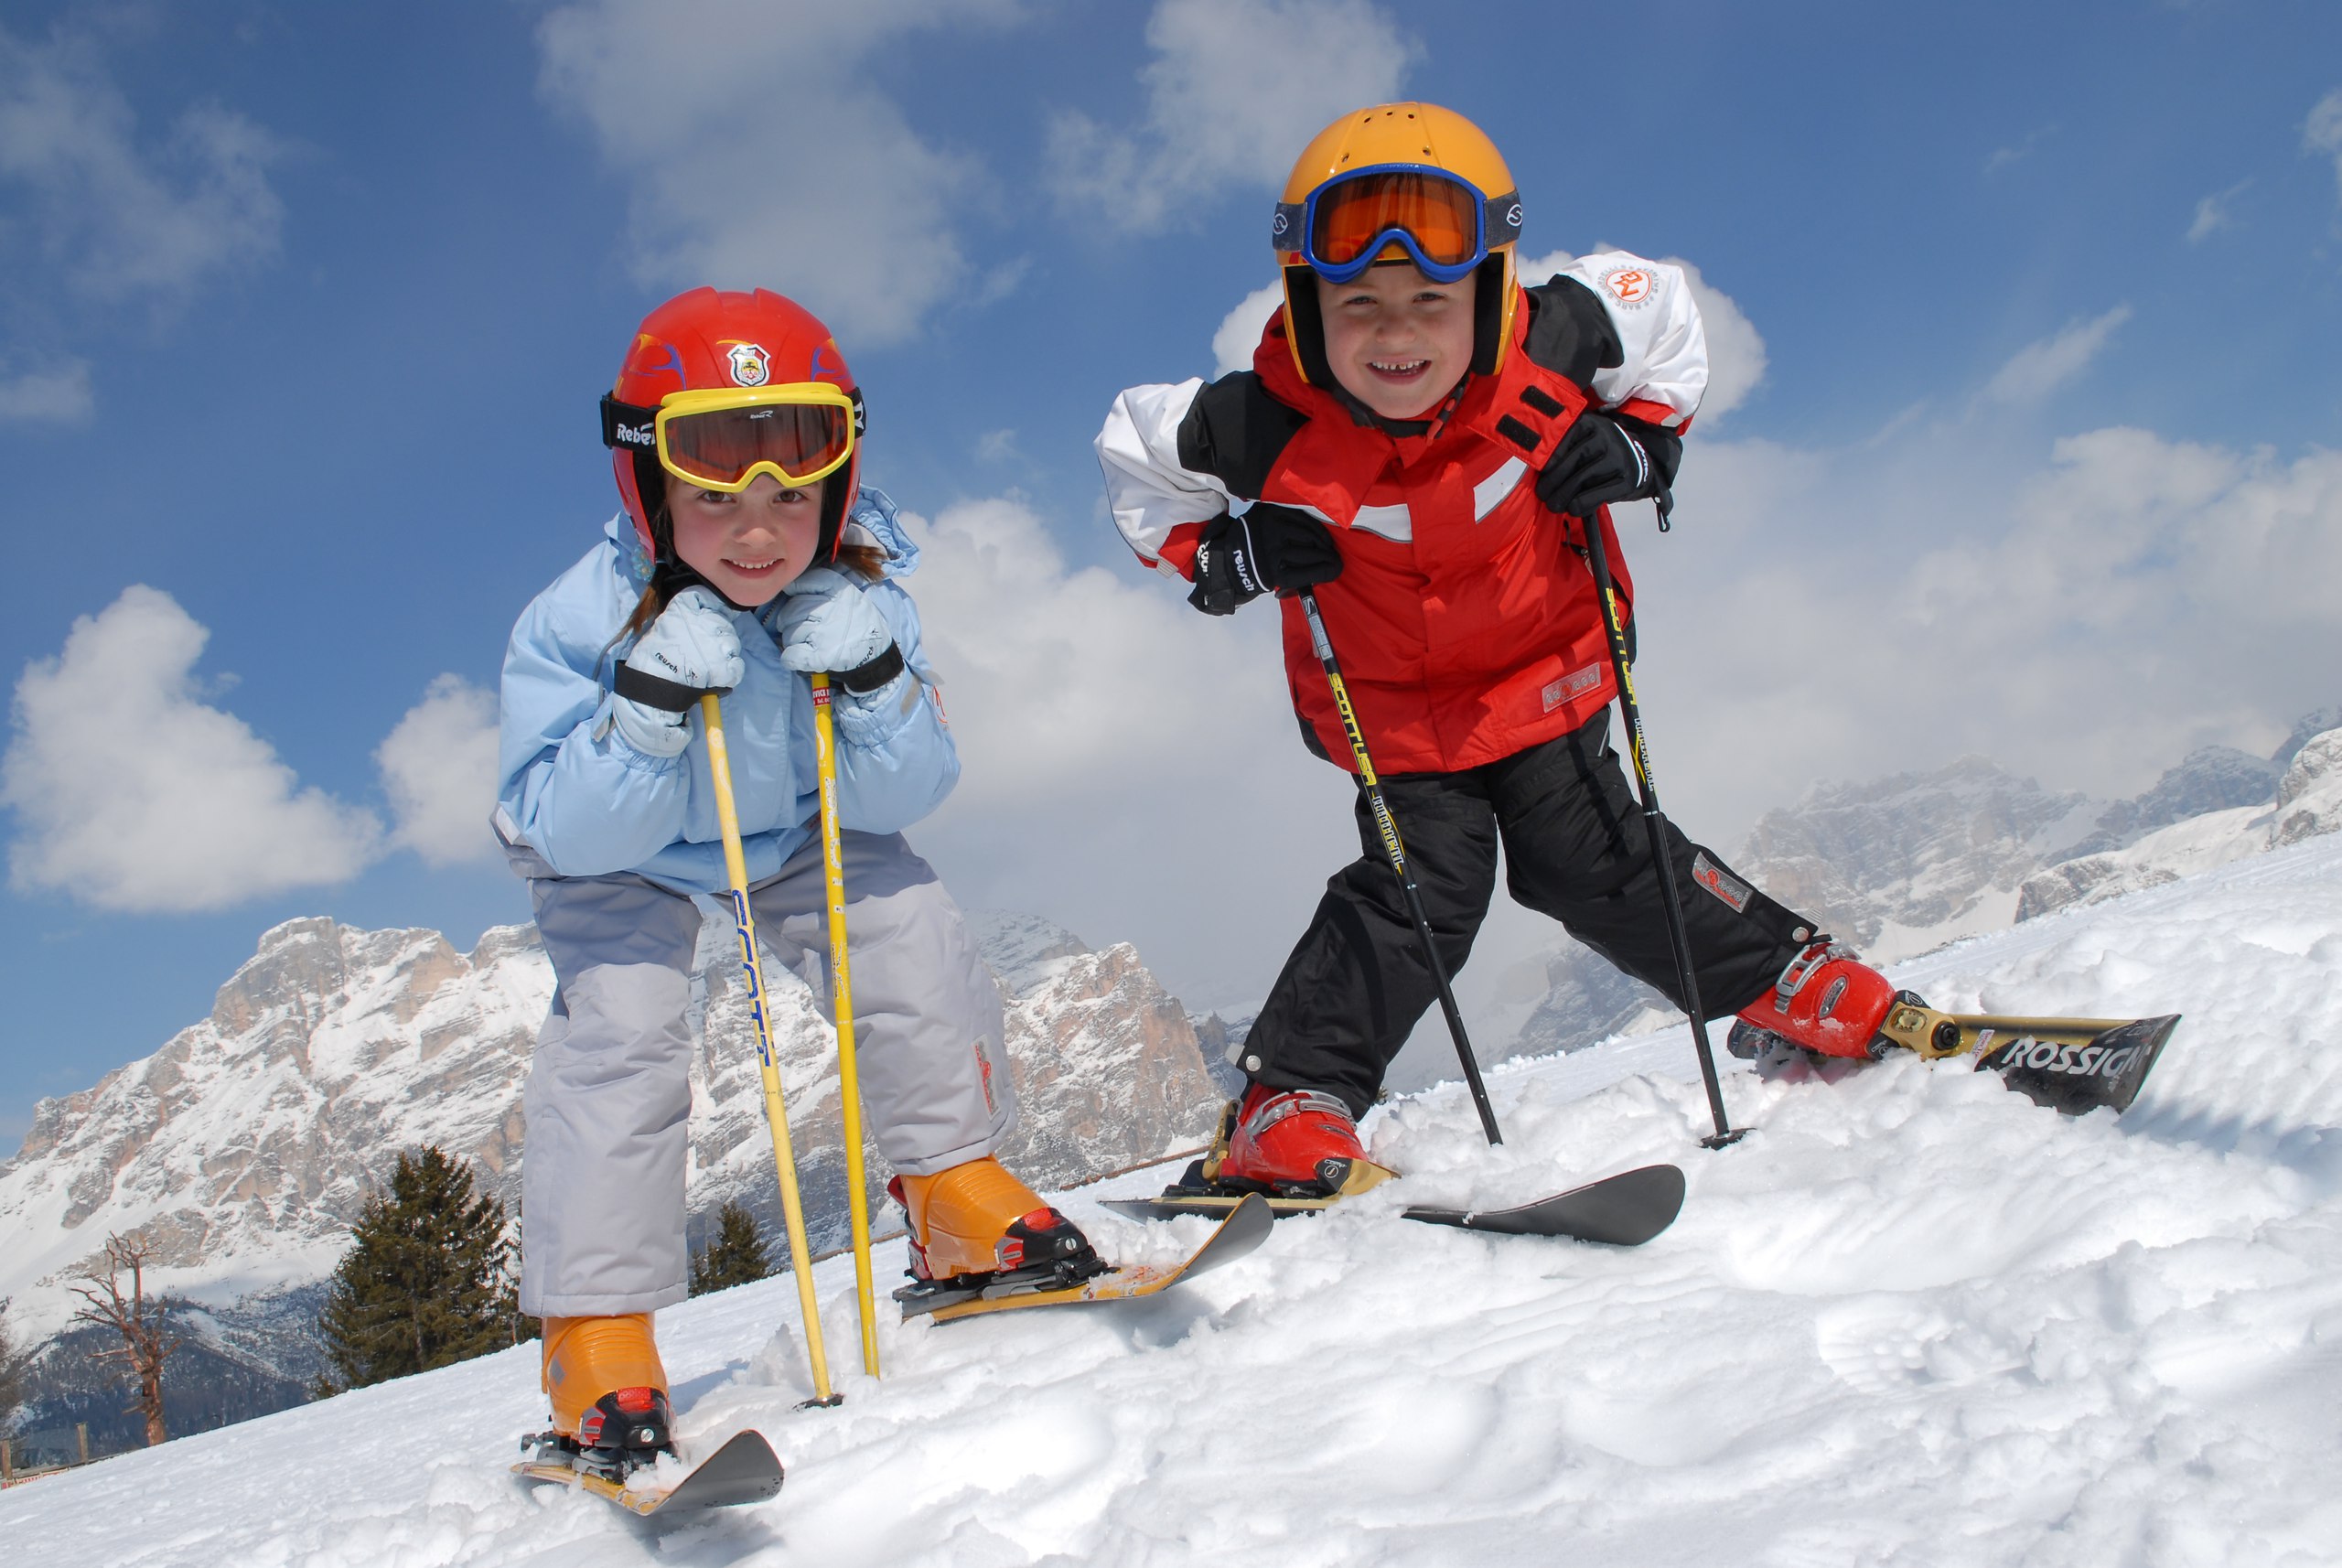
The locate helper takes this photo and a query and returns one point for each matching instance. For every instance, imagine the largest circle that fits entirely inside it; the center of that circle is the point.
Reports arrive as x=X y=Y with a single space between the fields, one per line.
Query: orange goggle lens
x=722 y=448
x=1352 y=217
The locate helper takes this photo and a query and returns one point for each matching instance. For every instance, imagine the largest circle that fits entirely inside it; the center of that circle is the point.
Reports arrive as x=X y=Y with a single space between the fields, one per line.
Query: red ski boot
x=1293 y=1142
x=1827 y=1002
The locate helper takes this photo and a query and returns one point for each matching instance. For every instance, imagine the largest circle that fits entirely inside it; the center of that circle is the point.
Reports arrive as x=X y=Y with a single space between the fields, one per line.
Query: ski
x=1623 y=1211
x=2072 y=1065
x=1245 y=1227
x=745 y=1470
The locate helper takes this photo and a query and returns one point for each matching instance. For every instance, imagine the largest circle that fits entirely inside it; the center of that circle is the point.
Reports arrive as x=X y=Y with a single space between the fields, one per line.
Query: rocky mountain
x=1900 y=863
x=245 y=1147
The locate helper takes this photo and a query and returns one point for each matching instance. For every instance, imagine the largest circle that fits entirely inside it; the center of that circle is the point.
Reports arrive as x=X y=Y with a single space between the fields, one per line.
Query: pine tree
x=736 y=1256
x=426 y=1282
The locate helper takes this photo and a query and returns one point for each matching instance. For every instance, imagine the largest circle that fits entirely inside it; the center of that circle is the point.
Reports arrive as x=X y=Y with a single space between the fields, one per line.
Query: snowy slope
x=1912 y=1319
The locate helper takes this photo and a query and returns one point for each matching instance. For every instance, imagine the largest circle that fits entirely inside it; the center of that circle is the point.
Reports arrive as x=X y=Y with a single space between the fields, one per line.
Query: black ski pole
x=1372 y=790
x=1598 y=558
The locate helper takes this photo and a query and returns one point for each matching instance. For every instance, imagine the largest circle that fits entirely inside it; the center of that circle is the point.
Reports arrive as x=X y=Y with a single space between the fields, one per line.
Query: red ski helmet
x=719 y=386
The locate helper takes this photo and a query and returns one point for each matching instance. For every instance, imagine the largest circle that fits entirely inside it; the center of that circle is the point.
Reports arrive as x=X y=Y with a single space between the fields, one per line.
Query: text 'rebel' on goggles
x=721 y=439
x=1447 y=226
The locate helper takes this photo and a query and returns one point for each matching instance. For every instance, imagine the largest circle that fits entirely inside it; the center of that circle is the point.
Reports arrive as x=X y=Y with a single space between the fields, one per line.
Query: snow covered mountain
x=1913 y=1318
x=1902 y=865
x=245 y=1147
x=2309 y=802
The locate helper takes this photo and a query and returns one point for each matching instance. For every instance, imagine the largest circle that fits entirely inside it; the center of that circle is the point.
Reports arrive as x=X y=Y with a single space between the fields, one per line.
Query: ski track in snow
x=1913 y=1319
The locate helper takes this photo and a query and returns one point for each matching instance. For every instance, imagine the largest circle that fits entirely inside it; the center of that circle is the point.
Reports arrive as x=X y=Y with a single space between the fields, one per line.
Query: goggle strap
x=1288 y=223
x=626 y=426
x=1503 y=225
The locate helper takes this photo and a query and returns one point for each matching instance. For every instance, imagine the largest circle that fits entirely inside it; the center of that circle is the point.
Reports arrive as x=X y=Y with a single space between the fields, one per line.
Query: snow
x=1912 y=1319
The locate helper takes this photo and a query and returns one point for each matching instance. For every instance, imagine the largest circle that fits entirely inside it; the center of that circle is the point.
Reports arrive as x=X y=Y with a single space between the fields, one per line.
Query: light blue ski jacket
x=589 y=804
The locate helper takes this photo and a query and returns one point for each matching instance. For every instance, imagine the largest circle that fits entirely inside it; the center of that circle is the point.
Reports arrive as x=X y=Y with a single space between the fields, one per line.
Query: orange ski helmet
x=719 y=387
x=1399 y=182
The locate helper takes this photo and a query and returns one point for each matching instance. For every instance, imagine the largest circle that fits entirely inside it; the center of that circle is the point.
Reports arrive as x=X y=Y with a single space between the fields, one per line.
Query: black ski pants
x=1575 y=847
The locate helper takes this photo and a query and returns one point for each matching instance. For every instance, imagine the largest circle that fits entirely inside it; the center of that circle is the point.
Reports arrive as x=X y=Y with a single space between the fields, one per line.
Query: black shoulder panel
x=1235 y=432
x=1570 y=332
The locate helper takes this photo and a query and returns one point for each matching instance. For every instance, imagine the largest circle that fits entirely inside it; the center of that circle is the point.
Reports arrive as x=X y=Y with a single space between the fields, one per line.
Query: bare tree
x=148 y=1338
x=12 y=1369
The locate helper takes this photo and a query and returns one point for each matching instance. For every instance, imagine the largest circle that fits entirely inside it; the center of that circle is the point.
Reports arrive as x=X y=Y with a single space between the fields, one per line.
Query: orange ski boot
x=609 y=1391
x=975 y=1227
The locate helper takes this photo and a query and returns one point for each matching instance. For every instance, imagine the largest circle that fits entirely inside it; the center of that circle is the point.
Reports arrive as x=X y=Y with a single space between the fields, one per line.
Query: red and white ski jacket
x=1465 y=618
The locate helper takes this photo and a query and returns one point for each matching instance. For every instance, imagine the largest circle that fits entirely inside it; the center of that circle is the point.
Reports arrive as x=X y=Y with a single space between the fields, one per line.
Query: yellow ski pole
x=792 y=1208
x=825 y=751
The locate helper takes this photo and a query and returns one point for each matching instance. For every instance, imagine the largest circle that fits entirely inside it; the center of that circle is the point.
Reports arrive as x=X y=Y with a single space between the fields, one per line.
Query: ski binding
x=1244 y=1229
x=1196 y=1193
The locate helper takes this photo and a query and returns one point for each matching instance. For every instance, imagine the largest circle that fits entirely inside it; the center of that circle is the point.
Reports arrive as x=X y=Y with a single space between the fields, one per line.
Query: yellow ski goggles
x=722 y=438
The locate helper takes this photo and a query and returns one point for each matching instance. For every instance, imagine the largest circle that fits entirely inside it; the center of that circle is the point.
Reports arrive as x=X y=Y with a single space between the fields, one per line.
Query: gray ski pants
x=608 y=1095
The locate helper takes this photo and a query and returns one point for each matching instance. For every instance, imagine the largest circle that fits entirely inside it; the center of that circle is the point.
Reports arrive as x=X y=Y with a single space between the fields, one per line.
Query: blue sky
x=2023 y=444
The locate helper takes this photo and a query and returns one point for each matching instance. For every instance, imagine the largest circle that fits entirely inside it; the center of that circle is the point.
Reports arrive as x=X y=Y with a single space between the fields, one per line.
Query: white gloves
x=829 y=625
x=691 y=648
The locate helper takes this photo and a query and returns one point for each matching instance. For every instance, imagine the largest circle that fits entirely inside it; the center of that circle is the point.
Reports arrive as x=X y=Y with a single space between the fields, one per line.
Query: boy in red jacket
x=1424 y=441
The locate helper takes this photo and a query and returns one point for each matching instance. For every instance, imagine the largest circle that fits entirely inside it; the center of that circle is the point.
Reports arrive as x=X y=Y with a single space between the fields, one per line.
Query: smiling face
x=751 y=546
x=1398 y=341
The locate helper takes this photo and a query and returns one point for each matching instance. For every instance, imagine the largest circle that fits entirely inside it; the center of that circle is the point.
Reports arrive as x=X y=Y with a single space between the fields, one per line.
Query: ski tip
x=1622 y=1211
x=2073 y=1077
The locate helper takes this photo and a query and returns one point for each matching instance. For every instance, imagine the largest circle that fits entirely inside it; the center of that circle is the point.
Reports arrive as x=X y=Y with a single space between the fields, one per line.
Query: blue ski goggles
x=1445 y=225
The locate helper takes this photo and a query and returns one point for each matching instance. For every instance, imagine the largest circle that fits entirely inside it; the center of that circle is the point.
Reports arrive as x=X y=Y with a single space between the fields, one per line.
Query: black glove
x=1271 y=548
x=1609 y=457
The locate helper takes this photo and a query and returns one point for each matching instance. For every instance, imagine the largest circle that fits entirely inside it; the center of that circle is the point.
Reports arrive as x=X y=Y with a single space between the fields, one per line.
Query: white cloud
x=689 y=103
x=2039 y=369
x=440 y=771
x=2212 y=213
x=2001 y=157
x=58 y=396
x=1234 y=92
x=1736 y=349
x=1240 y=330
x=1131 y=768
x=2322 y=132
x=132 y=793
x=122 y=221
x=1893 y=605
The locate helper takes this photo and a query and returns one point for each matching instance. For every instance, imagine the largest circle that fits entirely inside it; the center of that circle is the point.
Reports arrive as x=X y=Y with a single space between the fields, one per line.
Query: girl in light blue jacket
x=746 y=558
